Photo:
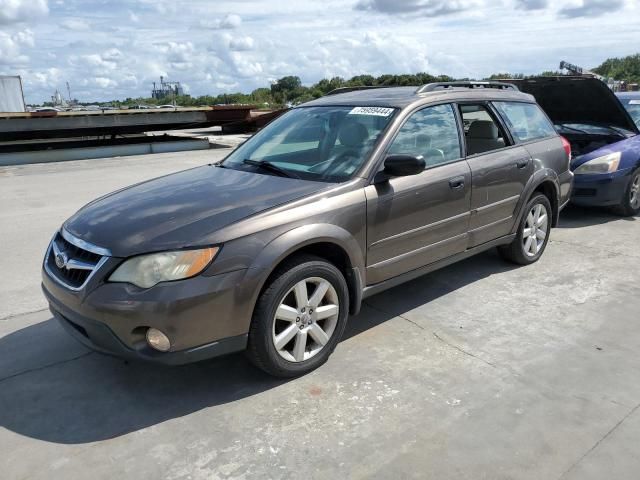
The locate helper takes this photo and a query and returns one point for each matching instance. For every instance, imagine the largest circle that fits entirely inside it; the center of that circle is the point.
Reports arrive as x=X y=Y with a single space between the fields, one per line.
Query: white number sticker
x=377 y=111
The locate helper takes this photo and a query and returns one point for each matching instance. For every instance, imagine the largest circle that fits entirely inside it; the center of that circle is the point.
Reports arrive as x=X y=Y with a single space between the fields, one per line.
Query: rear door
x=500 y=169
x=416 y=220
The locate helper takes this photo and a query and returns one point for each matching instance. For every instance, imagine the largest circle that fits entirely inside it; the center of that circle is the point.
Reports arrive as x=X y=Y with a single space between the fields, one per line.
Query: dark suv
x=340 y=198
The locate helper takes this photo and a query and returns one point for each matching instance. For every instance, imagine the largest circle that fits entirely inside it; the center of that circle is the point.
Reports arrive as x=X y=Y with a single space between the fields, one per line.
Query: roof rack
x=355 y=89
x=430 y=87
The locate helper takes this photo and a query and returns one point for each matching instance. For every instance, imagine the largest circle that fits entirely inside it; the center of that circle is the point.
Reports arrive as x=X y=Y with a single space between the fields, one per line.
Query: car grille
x=70 y=264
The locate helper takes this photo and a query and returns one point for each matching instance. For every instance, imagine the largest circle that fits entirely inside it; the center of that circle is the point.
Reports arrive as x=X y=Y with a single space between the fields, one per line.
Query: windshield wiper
x=270 y=167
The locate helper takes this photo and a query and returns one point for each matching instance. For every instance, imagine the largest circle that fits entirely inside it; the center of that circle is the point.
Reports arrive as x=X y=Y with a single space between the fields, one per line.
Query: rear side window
x=525 y=120
x=431 y=133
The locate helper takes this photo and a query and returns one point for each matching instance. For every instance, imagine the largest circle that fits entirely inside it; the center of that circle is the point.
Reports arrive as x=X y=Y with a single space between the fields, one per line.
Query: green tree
x=626 y=68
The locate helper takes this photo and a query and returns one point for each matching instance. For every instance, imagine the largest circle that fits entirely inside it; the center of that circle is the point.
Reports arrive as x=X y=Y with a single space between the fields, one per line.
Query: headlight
x=145 y=271
x=607 y=164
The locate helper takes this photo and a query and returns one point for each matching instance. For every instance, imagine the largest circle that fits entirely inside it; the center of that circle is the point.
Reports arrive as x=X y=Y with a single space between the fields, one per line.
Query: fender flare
x=538 y=178
x=293 y=240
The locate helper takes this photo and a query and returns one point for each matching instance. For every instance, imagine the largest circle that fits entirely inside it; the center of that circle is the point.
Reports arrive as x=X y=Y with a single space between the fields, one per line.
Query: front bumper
x=600 y=190
x=201 y=316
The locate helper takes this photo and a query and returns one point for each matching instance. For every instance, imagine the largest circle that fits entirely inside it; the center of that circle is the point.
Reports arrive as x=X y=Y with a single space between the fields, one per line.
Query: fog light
x=158 y=340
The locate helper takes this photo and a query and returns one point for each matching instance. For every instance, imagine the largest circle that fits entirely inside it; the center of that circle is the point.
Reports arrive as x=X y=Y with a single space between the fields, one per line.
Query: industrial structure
x=166 y=90
x=615 y=85
x=47 y=136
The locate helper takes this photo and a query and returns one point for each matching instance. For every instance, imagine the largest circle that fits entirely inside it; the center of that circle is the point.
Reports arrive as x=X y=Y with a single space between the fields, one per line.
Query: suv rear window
x=525 y=120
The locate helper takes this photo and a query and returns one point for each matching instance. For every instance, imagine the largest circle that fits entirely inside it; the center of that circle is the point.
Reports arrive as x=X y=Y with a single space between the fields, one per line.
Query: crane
x=614 y=85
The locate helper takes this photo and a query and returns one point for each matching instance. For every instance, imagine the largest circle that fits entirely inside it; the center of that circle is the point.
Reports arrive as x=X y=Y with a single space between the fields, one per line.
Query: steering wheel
x=333 y=162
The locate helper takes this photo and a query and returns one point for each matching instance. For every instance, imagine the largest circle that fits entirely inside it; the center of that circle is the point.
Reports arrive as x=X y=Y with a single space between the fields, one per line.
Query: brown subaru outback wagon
x=270 y=250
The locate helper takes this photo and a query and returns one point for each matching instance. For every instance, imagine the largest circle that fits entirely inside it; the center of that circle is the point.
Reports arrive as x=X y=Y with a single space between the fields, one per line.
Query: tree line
x=289 y=90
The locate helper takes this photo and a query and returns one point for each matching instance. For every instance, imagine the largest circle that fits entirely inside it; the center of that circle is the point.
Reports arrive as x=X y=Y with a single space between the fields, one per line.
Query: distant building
x=166 y=90
x=11 y=96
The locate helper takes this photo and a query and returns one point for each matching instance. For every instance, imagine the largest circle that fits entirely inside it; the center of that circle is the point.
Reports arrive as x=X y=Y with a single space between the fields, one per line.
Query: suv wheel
x=630 y=204
x=533 y=233
x=299 y=318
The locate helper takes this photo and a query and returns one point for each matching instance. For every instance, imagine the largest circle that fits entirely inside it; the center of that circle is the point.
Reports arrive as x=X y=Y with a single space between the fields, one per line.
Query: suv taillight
x=567 y=147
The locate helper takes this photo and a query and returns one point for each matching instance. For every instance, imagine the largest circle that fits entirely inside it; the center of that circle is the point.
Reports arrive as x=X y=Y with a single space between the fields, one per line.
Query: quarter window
x=430 y=133
x=525 y=120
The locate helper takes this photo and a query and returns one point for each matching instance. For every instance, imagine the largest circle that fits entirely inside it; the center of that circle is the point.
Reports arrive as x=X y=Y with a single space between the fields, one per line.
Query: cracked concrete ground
x=478 y=371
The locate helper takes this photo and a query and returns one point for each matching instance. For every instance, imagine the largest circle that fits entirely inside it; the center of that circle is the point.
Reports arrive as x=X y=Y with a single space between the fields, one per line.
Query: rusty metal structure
x=48 y=125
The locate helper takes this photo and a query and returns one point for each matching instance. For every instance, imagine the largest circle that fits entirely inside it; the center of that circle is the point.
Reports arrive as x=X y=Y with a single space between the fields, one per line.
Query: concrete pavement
x=479 y=371
x=36 y=199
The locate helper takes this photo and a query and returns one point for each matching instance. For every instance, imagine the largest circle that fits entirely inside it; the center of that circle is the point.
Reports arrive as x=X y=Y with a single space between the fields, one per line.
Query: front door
x=416 y=220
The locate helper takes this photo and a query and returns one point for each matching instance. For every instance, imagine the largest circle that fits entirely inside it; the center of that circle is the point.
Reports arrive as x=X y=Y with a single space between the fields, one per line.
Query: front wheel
x=630 y=204
x=299 y=317
x=533 y=233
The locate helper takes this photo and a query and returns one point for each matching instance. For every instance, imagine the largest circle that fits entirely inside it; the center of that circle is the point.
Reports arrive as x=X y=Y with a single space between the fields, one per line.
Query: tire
x=528 y=246
x=290 y=325
x=630 y=204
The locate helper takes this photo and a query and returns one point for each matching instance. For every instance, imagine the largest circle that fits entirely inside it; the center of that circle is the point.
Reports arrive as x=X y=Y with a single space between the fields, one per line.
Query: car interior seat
x=353 y=135
x=483 y=136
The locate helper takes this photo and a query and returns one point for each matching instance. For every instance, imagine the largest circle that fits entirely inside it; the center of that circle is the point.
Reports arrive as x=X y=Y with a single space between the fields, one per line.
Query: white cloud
x=11 y=47
x=48 y=78
x=532 y=4
x=25 y=38
x=429 y=8
x=75 y=24
x=113 y=54
x=14 y=11
x=591 y=8
x=241 y=44
x=104 y=82
x=228 y=22
x=116 y=49
x=231 y=21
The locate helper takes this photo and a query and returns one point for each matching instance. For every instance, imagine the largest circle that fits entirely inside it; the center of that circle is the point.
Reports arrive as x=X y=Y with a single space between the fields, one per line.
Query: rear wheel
x=299 y=318
x=630 y=204
x=533 y=233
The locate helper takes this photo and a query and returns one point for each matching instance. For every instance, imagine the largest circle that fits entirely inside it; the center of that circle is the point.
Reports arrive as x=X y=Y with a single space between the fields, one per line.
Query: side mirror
x=403 y=165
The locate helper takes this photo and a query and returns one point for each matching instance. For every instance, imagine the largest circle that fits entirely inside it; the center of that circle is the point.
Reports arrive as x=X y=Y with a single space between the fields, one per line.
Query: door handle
x=456 y=183
x=523 y=163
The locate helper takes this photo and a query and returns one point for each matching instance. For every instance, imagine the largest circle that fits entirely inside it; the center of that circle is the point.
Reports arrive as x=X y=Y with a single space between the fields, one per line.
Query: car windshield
x=326 y=144
x=633 y=107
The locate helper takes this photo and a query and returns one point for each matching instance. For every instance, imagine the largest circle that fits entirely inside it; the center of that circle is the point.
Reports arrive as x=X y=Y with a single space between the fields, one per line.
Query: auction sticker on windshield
x=377 y=111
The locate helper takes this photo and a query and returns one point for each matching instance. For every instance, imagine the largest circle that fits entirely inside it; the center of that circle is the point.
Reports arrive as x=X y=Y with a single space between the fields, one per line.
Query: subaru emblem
x=61 y=260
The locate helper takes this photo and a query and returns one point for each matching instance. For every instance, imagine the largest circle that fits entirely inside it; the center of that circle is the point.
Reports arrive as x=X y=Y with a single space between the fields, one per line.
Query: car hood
x=578 y=100
x=182 y=209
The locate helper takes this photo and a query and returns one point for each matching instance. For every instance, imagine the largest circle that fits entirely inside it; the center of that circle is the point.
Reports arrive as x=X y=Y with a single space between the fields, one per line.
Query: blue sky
x=110 y=49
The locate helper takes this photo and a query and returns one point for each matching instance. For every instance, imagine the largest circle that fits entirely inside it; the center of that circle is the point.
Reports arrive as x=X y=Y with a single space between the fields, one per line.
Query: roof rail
x=354 y=89
x=430 y=87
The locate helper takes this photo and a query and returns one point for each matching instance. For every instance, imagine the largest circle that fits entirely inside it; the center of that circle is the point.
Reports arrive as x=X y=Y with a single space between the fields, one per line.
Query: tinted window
x=525 y=120
x=431 y=133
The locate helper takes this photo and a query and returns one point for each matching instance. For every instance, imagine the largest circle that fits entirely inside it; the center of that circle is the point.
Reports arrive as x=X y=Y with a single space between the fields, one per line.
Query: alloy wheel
x=634 y=192
x=305 y=319
x=536 y=229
